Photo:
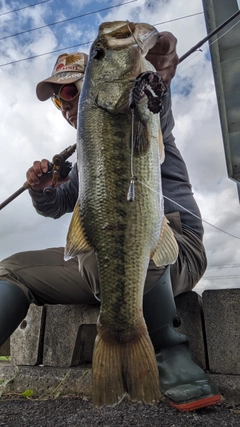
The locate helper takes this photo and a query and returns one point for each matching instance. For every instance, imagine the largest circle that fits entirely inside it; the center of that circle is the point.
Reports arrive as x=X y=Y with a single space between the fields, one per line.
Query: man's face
x=69 y=111
x=68 y=106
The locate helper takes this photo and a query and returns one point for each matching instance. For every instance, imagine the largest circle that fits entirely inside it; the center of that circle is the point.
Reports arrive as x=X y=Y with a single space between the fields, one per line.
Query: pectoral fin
x=167 y=249
x=76 y=239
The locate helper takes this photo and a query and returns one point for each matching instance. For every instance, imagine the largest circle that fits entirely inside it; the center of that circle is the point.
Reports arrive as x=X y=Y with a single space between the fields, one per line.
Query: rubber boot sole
x=197 y=404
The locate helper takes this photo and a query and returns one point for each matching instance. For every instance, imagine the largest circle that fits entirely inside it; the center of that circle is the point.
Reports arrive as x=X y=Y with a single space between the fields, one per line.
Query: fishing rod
x=199 y=44
x=59 y=168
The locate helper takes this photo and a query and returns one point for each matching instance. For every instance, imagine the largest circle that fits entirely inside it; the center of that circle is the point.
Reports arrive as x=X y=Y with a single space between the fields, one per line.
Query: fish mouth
x=120 y=34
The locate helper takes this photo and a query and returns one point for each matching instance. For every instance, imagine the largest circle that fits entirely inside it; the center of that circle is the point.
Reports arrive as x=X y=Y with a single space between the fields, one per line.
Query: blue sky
x=31 y=130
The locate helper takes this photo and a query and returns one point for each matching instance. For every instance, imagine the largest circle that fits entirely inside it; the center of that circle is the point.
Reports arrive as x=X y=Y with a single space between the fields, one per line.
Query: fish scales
x=124 y=235
x=115 y=228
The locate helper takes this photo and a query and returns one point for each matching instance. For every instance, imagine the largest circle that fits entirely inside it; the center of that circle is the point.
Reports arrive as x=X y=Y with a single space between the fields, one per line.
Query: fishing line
x=131 y=190
x=134 y=36
x=167 y=198
x=210 y=44
x=227 y=31
x=132 y=142
x=187 y=210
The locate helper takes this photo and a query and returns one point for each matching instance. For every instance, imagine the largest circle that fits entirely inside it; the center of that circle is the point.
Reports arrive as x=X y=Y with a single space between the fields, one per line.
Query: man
x=41 y=277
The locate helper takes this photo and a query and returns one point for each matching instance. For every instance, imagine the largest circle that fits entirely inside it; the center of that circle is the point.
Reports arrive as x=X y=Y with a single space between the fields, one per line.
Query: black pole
x=14 y=195
x=199 y=44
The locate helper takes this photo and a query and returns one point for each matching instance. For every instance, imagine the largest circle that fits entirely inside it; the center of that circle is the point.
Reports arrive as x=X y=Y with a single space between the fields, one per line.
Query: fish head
x=118 y=35
x=117 y=57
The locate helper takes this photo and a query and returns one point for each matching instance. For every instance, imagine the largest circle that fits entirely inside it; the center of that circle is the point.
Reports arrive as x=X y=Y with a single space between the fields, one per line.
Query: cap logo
x=64 y=76
x=72 y=62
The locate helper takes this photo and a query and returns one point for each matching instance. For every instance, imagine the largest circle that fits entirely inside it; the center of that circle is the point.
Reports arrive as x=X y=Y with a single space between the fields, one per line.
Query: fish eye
x=98 y=53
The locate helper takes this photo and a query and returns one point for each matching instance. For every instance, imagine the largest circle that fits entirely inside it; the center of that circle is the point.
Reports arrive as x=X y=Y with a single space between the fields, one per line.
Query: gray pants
x=46 y=278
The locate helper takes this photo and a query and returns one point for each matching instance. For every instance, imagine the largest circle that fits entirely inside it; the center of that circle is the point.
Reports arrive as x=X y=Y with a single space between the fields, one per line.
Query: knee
x=12 y=270
x=88 y=269
x=7 y=266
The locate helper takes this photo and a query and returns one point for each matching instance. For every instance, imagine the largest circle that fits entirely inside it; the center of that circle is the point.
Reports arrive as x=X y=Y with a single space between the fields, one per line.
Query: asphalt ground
x=71 y=411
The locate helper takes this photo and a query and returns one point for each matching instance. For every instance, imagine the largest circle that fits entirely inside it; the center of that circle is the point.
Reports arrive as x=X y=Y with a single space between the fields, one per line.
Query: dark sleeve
x=61 y=201
x=175 y=180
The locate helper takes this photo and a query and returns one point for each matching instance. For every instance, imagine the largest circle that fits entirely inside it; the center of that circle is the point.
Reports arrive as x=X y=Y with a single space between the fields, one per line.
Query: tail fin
x=124 y=368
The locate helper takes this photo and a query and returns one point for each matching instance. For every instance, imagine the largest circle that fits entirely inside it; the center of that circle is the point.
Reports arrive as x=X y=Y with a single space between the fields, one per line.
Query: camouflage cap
x=68 y=69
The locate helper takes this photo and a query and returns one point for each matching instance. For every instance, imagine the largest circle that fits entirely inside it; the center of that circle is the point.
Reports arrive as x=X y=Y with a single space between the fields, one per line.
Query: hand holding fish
x=163 y=56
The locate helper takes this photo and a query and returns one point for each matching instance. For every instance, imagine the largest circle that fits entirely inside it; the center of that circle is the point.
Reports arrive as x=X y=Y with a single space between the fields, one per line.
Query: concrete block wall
x=55 y=335
x=222 y=325
x=63 y=336
x=190 y=314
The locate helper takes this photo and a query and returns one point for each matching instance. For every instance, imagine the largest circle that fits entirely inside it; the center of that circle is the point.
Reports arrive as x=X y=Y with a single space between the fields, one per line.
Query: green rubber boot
x=183 y=382
x=13 y=308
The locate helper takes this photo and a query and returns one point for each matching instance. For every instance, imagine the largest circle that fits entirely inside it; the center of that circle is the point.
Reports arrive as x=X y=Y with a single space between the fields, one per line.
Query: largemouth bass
x=123 y=235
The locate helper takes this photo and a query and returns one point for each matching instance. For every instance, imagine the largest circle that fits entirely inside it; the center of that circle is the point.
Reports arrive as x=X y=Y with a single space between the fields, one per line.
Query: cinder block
x=189 y=311
x=70 y=331
x=26 y=342
x=221 y=313
x=63 y=335
x=5 y=348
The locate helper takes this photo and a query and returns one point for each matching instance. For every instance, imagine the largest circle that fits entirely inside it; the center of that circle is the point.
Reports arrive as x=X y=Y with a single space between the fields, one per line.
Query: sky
x=31 y=130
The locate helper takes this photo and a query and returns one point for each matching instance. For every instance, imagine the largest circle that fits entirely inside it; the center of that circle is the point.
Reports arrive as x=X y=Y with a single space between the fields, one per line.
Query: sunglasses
x=66 y=92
